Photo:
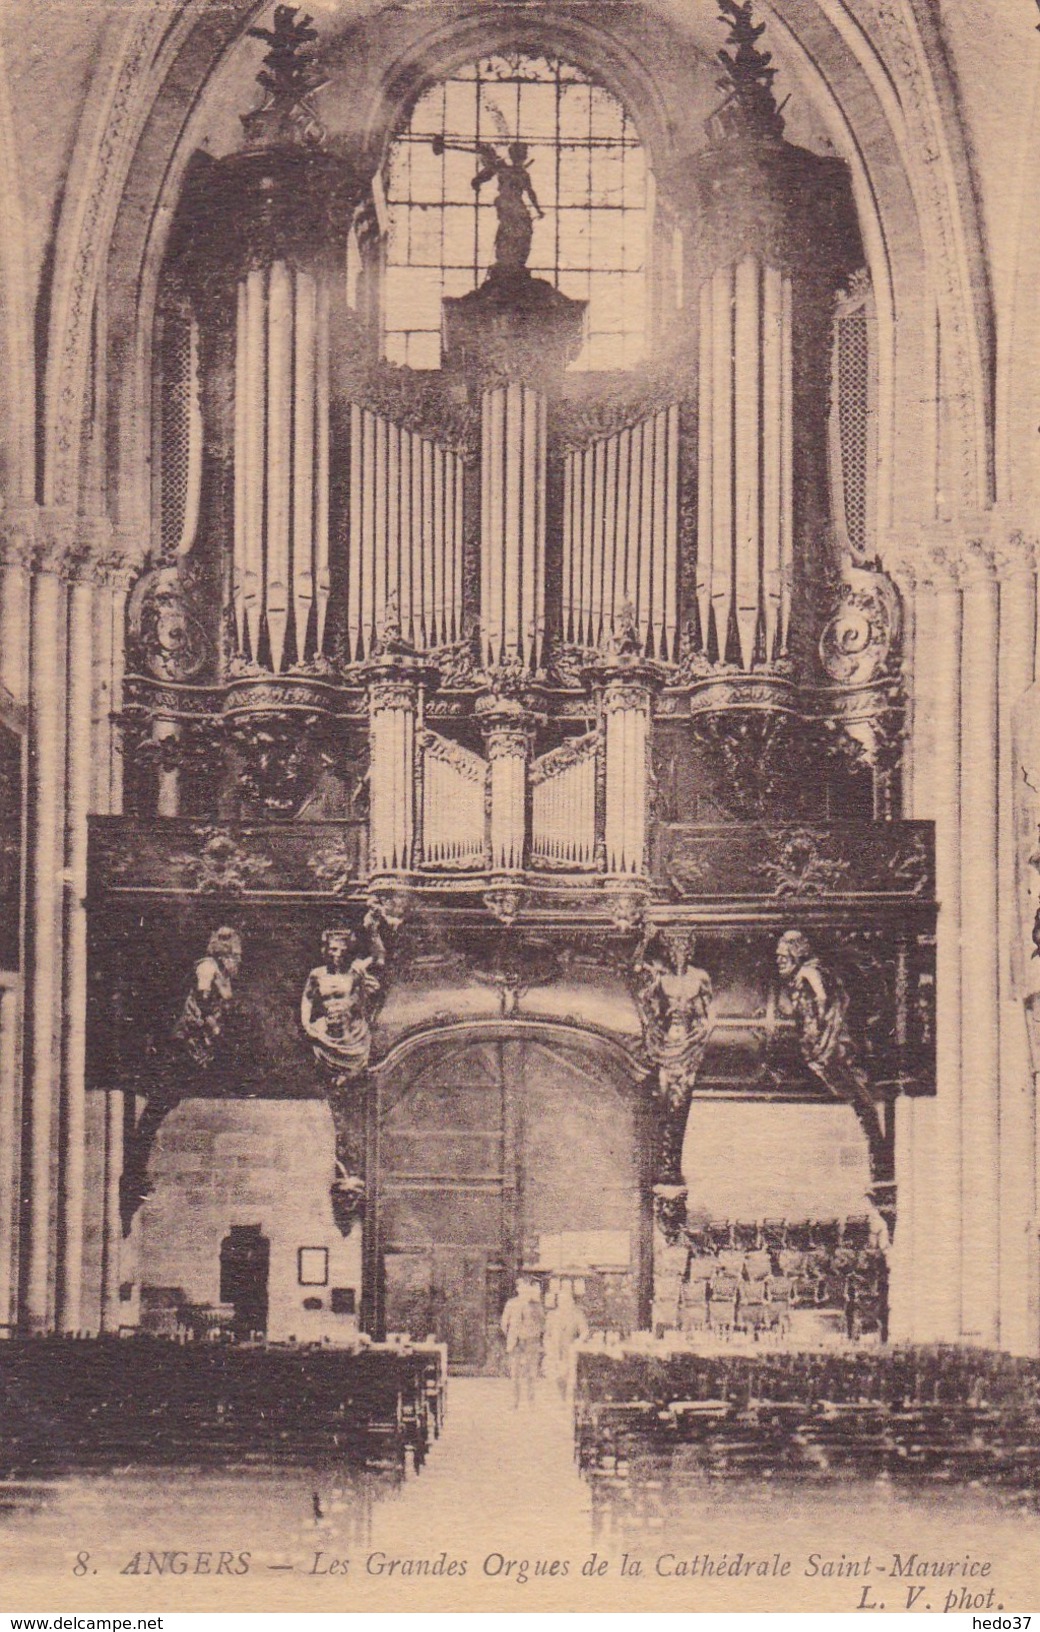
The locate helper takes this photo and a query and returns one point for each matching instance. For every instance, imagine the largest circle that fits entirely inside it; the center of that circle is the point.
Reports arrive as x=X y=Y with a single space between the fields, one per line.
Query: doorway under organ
x=501 y=1154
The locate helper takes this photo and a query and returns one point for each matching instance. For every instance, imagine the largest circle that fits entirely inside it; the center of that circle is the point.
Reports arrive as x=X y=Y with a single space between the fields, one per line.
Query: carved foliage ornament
x=167 y=637
x=220 y=866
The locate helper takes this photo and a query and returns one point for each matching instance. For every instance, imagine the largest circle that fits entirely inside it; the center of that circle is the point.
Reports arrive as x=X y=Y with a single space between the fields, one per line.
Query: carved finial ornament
x=750 y=107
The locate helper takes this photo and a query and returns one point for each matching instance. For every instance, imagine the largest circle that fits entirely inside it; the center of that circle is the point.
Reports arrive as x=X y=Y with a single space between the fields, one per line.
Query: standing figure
x=523 y=1325
x=674 y=998
x=339 y=998
x=819 y=1003
x=205 y=1009
x=515 y=223
x=564 y=1326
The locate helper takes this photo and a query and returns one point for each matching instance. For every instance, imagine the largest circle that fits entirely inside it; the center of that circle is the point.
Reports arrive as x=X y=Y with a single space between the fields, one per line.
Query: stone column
x=1019 y=1314
x=45 y=854
x=980 y=1062
x=78 y=773
x=943 y=608
x=10 y=1038
x=113 y=578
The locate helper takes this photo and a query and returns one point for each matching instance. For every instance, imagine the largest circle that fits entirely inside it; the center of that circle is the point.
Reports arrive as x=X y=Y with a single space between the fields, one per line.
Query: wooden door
x=460 y=1286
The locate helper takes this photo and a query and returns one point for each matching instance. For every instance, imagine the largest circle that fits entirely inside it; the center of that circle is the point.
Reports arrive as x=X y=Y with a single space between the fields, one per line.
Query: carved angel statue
x=675 y=999
x=515 y=223
x=202 y=1019
x=340 y=997
x=819 y=1003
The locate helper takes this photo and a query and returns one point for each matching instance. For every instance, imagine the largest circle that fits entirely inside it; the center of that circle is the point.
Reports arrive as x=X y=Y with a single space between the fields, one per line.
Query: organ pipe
x=281 y=545
x=512 y=525
x=621 y=536
x=405 y=534
x=745 y=519
x=563 y=805
x=454 y=782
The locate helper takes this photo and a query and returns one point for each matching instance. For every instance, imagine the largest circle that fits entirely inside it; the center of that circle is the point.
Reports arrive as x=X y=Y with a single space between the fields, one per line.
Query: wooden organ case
x=588 y=661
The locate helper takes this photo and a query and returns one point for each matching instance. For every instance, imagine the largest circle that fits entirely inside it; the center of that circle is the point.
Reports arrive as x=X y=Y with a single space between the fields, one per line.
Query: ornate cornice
x=960 y=555
x=76 y=549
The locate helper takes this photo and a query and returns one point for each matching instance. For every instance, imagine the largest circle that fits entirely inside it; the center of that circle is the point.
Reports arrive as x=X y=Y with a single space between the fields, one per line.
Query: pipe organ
x=745 y=463
x=405 y=538
x=280 y=582
x=454 y=791
x=499 y=549
x=621 y=536
x=563 y=804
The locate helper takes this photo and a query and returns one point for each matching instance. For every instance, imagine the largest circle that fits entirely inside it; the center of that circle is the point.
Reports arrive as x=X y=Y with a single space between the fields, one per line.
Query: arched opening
x=500 y=1153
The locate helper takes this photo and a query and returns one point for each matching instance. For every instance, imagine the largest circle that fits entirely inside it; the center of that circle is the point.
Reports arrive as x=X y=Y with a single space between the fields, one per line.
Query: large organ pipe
x=254 y=412
x=281 y=548
x=747 y=476
x=626 y=713
x=772 y=452
x=303 y=460
x=720 y=433
x=392 y=708
x=745 y=462
x=278 y=455
x=322 y=571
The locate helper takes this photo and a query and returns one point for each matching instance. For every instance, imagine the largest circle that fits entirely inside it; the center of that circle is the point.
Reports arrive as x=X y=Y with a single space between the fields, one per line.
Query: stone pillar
x=1019 y=1303
x=113 y=578
x=943 y=608
x=980 y=1061
x=79 y=757
x=10 y=1039
x=112 y=1235
x=45 y=853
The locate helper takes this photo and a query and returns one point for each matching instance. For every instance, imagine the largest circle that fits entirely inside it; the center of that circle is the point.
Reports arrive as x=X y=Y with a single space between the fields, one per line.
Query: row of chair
x=63 y=1403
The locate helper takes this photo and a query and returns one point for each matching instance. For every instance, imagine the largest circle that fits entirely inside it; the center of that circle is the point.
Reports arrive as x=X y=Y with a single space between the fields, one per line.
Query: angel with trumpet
x=515 y=222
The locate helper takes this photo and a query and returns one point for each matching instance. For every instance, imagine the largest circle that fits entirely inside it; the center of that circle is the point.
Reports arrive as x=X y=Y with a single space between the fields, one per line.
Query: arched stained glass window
x=589 y=173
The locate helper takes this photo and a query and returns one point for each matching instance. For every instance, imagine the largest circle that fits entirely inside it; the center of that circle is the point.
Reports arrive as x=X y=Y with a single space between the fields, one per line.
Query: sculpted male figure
x=675 y=999
x=338 y=1000
x=205 y=1007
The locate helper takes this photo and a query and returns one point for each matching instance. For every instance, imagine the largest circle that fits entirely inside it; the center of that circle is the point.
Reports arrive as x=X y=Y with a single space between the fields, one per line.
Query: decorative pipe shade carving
x=405 y=535
x=454 y=784
x=512 y=524
x=745 y=526
x=281 y=550
x=620 y=536
x=179 y=451
x=563 y=805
